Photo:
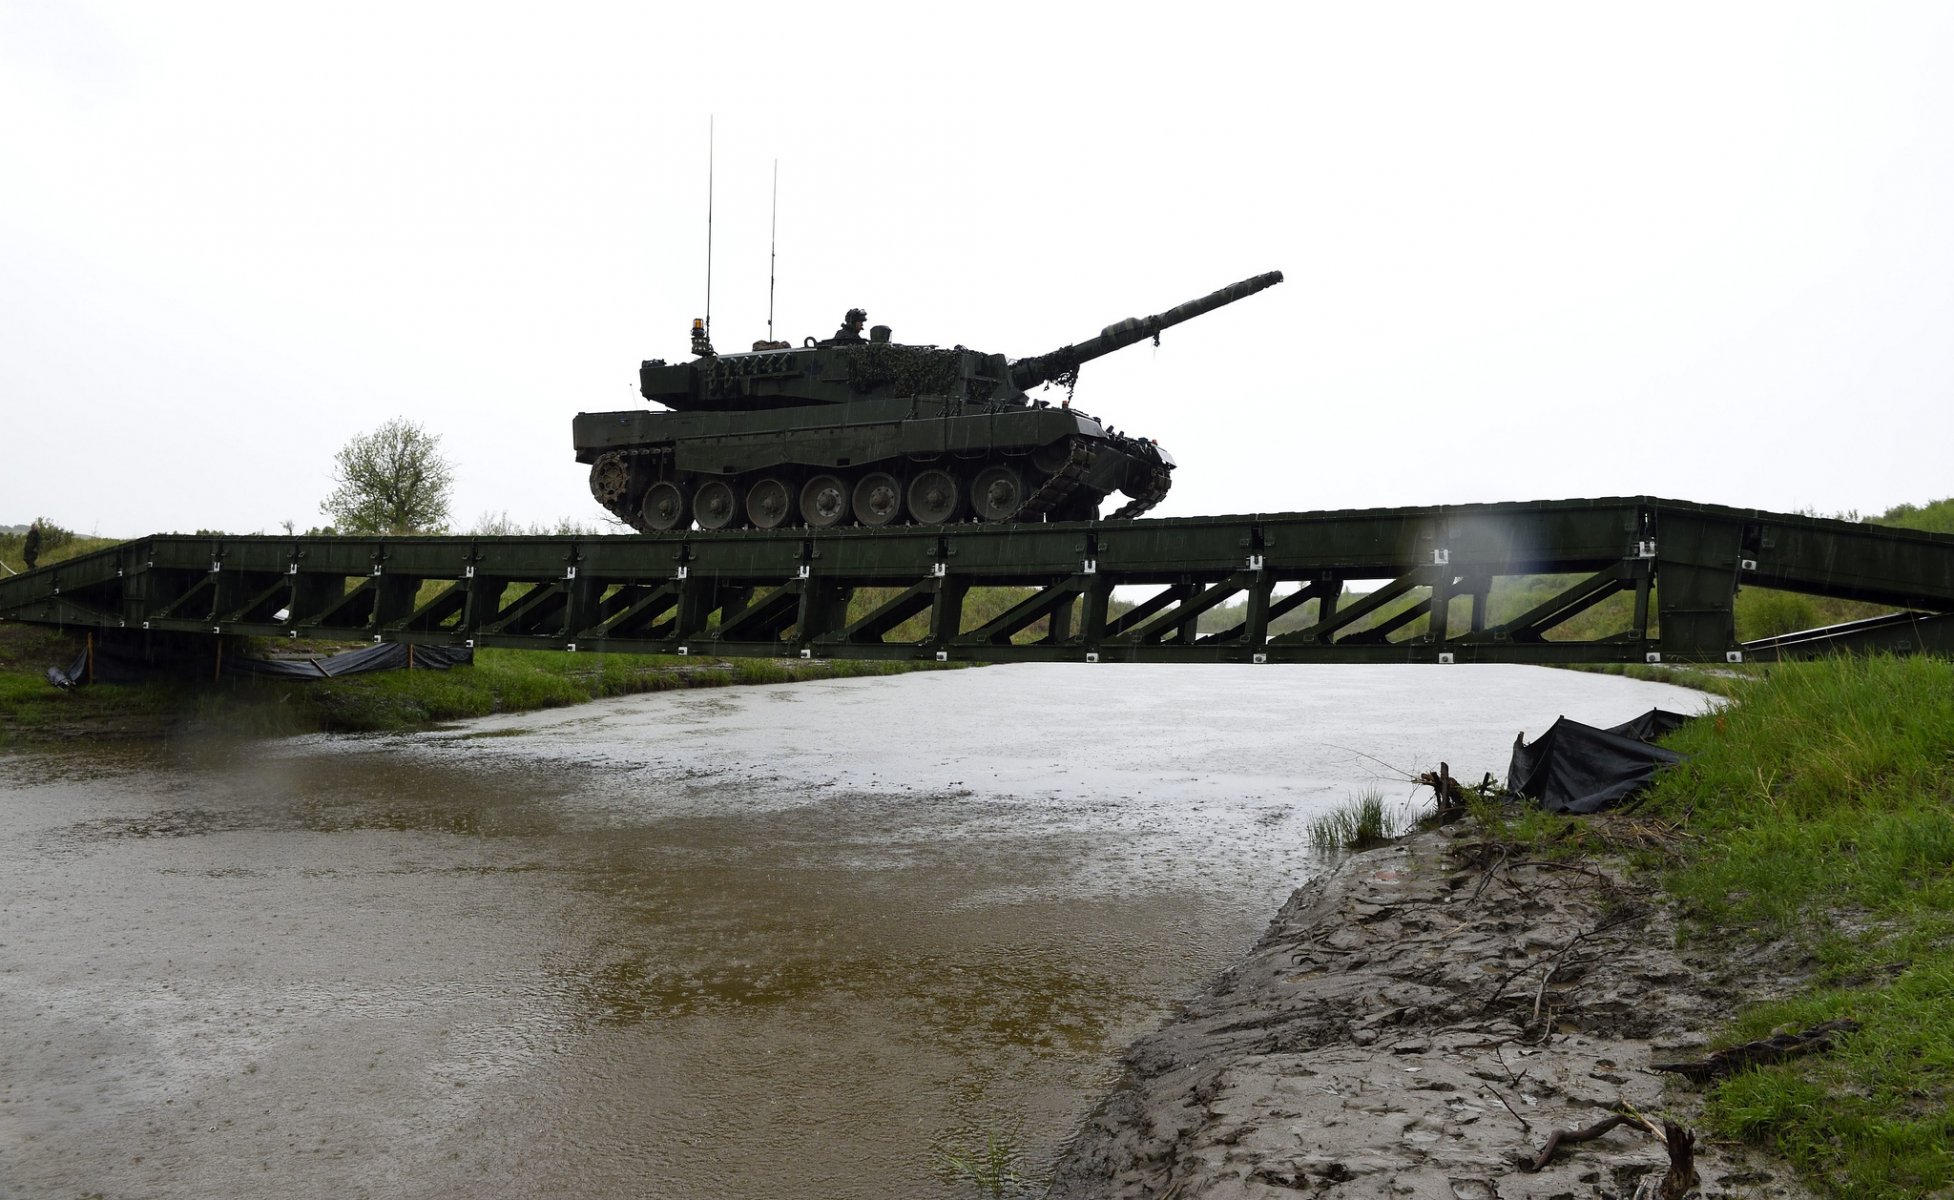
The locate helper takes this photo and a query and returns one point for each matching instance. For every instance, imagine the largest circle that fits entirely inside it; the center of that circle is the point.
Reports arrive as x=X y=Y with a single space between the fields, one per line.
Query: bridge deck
x=788 y=591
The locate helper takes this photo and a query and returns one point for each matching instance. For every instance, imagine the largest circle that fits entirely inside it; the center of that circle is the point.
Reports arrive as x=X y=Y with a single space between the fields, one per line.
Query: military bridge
x=1430 y=573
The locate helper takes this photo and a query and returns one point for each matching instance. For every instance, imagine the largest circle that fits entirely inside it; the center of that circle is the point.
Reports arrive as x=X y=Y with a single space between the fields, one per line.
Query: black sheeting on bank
x=1655 y=723
x=391 y=656
x=117 y=662
x=1576 y=768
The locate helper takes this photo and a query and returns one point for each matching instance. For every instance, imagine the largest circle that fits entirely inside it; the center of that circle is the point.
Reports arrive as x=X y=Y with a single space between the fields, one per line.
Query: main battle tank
x=873 y=432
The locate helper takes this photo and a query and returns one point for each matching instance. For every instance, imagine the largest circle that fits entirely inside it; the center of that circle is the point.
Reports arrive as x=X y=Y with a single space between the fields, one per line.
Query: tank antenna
x=709 y=156
x=773 y=245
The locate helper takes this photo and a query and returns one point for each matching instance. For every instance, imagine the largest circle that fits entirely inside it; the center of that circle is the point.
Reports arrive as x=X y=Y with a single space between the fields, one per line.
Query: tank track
x=1156 y=491
x=612 y=473
x=1061 y=485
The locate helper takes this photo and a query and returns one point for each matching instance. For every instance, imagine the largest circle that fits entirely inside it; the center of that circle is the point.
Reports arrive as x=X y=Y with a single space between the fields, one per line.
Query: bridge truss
x=1426 y=575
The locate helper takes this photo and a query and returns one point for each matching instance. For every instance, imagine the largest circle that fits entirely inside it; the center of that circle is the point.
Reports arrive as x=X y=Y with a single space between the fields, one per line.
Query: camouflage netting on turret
x=909 y=371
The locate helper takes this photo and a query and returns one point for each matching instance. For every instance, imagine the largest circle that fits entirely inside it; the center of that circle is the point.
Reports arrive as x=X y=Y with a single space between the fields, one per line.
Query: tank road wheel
x=610 y=479
x=824 y=501
x=935 y=498
x=717 y=505
x=769 y=503
x=664 y=507
x=997 y=493
x=878 y=499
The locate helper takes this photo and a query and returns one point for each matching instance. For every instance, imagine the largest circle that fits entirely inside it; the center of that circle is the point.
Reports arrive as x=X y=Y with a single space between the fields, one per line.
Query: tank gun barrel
x=1045 y=368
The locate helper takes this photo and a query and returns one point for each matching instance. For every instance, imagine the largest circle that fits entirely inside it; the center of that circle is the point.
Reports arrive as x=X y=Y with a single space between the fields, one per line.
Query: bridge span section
x=1402 y=585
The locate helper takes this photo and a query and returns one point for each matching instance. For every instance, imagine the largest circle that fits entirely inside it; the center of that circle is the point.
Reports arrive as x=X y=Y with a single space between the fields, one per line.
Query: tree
x=392 y=480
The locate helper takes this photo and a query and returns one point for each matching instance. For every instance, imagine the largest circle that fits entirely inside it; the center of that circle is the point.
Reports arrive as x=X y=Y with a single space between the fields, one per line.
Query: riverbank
x=35 y=712
x=1418 y=1022
x=1422 y=1019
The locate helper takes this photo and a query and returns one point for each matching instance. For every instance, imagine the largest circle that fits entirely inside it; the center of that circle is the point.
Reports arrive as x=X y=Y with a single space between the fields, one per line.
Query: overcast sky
x=1703 y=251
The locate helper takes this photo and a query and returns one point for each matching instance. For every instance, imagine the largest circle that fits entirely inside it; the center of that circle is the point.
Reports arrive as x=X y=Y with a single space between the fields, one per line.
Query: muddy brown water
x=785 y=941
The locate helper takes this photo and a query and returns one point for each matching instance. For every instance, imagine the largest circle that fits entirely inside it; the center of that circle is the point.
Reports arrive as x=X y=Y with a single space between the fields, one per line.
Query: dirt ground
x=1417 y=1023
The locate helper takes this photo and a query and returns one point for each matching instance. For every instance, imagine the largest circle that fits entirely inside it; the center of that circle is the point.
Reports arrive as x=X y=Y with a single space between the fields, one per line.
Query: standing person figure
x=851 y=327
x=31 y=548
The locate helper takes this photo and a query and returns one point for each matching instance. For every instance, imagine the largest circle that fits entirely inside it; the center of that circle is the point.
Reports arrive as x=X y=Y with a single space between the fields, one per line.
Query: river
x=797 y=940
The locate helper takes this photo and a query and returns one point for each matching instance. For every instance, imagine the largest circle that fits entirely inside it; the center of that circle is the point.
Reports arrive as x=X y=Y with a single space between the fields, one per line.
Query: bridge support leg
x=1439 y=624
x=697 y=598
x=1188 y=630
x=823 y=609
x=484 y=601
x=1697 y=587
x=1092 y=611
x=946 y=615
x=580 y=608
x=1061 y=622
x=1255 y=614
x=393 y=600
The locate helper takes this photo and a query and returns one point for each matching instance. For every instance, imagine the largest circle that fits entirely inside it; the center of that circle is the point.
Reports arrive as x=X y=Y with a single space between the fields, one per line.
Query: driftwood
x=1756 y=1054
x=1452 y=795
x=1681 y=1176
x=1560 y=1137
x=1676 y=1182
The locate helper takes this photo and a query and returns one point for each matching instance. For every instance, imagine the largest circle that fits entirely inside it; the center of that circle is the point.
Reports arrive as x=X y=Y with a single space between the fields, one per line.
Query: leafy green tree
x=1934 y=517
x=392 y=480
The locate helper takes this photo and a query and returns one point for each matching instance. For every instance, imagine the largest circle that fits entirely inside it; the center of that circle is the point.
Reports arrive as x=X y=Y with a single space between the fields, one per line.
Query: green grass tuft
x=1358 y=824
x=986 y=1161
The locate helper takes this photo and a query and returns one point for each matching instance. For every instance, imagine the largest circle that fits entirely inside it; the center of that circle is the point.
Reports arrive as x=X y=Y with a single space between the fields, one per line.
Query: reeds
x=1359 y=824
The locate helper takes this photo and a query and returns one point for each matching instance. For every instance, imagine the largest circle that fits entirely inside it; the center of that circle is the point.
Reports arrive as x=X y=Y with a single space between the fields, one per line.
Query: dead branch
x=1561 y=1136
x=1555 y=963
x=1549 y=865
x=1677 y=1181
x=1451 y=793
x=1753 y=1054
x=1681 y=1178
x=1486 y=880
x=1400 y=772
x=1525 y=1127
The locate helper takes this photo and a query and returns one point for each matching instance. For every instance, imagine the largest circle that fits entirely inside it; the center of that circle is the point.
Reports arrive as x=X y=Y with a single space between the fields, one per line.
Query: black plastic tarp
x=132 y=660
x=391 y=656
x=1576 y=768
x=1655 y=723
x=128 y=662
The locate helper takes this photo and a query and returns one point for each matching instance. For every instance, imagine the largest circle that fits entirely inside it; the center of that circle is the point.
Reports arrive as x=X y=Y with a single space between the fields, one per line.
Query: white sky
x=1703 y=251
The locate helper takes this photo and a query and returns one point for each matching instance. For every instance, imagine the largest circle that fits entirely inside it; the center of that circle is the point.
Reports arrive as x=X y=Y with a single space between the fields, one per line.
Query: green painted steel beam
x=787 y=591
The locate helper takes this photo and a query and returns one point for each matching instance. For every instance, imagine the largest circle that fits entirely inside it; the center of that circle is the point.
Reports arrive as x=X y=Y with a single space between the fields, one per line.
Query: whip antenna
x=709 y=156
x=773 y=244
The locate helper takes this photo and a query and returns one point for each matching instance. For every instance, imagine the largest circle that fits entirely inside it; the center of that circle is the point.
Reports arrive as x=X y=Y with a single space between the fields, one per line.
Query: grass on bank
x=57 y=545
x=522 y=681
x=1818 y=810
x=1824 y=804
x=1359 y=824
x=33 y=710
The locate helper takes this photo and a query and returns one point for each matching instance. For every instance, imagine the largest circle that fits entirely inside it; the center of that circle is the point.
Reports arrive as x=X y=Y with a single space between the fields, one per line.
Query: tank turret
x=873 y=432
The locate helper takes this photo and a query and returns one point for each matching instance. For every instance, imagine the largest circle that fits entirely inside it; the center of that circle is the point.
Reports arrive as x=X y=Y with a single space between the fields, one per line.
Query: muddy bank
x=1418 y=1022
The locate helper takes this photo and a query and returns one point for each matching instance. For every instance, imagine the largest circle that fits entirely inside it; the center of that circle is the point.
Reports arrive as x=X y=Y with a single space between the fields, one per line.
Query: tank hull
x=1032 y=462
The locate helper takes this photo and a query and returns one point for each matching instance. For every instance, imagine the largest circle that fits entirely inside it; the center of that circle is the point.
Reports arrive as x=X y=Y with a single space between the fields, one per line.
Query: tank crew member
x=851 y=327
x=31 y=548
